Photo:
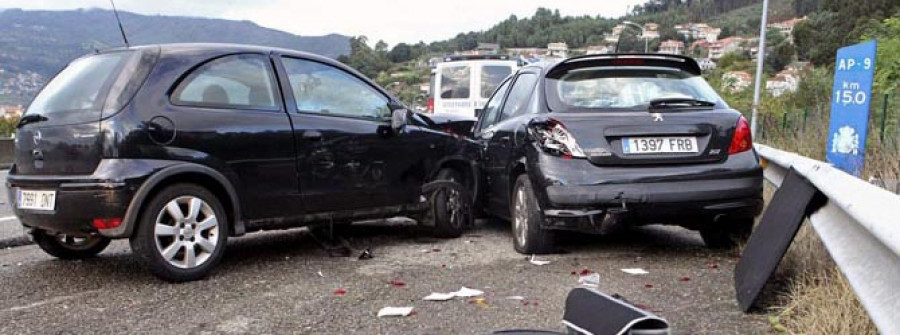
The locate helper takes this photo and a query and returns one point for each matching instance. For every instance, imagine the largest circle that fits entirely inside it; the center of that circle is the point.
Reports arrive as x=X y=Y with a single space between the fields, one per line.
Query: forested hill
x=43 y=41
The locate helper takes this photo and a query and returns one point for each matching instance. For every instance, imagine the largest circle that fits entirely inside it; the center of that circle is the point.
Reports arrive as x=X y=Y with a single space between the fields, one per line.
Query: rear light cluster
x=742 y=140
x=553 y=137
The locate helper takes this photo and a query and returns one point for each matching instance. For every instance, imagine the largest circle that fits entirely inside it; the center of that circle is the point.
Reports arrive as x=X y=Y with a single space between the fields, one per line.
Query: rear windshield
x=491 y=77
x=455 y=81
x=623 y=88
x=81 y=86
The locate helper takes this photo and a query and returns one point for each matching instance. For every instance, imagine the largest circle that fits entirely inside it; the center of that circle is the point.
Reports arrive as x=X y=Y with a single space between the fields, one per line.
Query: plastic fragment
x=439 y=297
x=320 y=274
x=466 y=292
x=590 y=280
x=585 y=272
x=537 y=262
x=515 y=297
x=648 y=286
x=340 y=291
x=366 y=254
x=635 y=271
x=481 y=302
x=397 y=283
x=685 y=278
x=712 y=266
x=395 y=311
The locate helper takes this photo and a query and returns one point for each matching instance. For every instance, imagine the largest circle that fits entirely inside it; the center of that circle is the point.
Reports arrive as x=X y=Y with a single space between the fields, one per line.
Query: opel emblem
x=657 y=117
x=37 y=137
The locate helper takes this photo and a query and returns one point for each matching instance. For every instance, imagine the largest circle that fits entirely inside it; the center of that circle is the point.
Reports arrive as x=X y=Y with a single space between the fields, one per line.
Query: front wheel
x=182 y=233
x=65 y=246
x=528 y=236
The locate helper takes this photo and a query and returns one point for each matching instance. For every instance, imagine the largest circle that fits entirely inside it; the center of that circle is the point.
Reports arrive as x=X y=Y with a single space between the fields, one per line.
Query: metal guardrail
x=860 y=227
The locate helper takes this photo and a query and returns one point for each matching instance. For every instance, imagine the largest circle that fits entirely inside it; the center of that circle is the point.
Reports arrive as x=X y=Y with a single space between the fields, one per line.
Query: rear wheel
x=450 y=212
x=528 y=236
x=70 y=246
x=727 y=234
x=182 y=233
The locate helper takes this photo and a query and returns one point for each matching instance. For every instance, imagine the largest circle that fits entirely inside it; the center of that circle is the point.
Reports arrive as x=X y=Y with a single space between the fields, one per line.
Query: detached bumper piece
x=589 y=311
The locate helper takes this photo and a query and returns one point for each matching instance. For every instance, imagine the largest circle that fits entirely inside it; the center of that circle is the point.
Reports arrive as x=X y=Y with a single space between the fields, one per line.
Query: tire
x=70 y=247
x=727 y=234
x=449 y=219
x=164 y=243
x=528 y=236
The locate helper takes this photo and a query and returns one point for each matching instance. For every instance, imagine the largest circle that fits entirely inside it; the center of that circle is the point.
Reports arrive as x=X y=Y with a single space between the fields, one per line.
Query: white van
x=462 y=84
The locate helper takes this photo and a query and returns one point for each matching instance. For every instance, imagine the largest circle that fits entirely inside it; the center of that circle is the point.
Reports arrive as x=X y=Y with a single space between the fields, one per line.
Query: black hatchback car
x=591 y=142
x=178 y=147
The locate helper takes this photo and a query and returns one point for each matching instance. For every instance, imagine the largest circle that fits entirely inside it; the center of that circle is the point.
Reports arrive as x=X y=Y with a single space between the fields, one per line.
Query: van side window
x=519 y=95
x=489 y=114
x=324 y=89
x=238 y=81
x=491 y=76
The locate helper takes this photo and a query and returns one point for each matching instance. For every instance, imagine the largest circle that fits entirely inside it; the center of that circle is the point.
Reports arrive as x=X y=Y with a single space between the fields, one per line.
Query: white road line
x=8 y=218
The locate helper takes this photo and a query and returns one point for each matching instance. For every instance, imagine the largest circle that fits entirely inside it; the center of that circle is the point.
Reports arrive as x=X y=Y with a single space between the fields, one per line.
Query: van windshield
x=624 y=88
x=81 y=86
x=455 y=81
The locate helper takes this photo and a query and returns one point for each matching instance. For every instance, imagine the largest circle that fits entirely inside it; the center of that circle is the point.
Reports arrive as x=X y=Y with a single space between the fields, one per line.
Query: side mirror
x=478 y=112
x=398 y=119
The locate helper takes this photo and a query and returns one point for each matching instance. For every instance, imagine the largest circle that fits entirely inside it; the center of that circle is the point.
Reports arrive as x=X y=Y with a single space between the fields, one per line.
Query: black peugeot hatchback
x=591 y=143
x=177 y=147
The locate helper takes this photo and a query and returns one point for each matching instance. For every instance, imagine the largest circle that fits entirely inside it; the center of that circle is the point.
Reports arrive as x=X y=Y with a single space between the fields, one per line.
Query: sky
x=392 y=21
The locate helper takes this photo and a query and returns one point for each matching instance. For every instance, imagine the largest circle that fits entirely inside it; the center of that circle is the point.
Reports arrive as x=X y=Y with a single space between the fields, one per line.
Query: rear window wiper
x=679 y=102
x=30 y=118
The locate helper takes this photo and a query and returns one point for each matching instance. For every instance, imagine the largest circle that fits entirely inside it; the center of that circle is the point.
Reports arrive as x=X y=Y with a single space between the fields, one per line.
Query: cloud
x=393 y=21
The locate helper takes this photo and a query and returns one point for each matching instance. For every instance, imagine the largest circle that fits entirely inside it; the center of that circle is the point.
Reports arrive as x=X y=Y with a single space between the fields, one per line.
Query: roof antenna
x=122 y=30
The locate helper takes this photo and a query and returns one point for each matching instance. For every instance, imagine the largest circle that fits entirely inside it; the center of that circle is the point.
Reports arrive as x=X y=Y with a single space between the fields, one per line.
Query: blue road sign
x=853 y=71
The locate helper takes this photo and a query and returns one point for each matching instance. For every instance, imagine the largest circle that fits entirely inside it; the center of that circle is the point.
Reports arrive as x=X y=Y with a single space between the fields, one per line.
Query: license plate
x=659 y=145
x=40 y=200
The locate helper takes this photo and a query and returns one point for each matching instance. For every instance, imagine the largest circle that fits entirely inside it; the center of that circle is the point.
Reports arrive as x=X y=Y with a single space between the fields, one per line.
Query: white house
x=674 y=47
x=736 y=81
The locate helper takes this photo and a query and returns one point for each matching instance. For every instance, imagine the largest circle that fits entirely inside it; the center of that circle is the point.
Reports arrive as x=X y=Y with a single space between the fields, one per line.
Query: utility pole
x=760 y=56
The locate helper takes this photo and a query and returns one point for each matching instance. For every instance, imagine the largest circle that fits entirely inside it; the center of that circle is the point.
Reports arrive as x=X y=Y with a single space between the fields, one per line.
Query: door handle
x=312 y=135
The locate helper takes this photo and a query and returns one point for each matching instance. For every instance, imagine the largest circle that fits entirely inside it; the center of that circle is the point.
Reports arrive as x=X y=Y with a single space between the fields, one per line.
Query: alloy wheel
x=520 y=217
x=186 y=232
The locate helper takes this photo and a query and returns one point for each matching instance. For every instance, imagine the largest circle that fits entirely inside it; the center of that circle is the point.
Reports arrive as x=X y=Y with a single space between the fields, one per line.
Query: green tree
x=401 y=52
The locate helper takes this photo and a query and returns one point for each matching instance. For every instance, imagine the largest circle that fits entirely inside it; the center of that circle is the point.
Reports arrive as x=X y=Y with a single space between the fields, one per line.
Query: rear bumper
x=106 y=193
x=577 y=195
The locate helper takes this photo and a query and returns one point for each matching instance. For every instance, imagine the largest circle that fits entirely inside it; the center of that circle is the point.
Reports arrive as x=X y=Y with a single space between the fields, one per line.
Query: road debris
x=439 y=297
x=466 y=292
x=685 y=278
x=366 y=254
x=537 y=262
x=463 y=292
x=395 y=311
x=397 y=283
x=515 y=297
x=340 y=291
x=635 y=271
x=480 y=302
x=591 y=280
x=320 y=274
x=712 y=265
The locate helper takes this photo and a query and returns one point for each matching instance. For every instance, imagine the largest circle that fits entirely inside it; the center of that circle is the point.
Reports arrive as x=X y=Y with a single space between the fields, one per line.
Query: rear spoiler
x=683 y=63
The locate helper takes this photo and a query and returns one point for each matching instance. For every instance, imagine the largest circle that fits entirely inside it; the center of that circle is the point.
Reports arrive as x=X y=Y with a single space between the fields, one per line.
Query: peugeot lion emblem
x=657 y=117
x=37 y=137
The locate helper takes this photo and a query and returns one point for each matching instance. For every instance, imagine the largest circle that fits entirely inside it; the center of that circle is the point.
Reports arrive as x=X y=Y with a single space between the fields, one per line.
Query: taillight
x=429 y=105
x=742 y=140
x=553 y=137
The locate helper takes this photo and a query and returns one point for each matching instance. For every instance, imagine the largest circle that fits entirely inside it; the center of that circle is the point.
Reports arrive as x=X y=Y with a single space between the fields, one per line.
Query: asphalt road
x=269 y=283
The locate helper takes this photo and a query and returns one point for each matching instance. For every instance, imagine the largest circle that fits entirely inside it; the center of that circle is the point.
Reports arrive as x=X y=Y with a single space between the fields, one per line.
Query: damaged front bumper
x=577 y=195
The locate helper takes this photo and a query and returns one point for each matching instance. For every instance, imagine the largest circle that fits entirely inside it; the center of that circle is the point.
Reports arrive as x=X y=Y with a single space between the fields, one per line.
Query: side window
x=324 y=89
x=489 y=114
x=519 y=95
x=237 y=81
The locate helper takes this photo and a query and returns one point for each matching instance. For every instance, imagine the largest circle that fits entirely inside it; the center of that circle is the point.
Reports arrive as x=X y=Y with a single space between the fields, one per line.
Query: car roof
x=223 y=48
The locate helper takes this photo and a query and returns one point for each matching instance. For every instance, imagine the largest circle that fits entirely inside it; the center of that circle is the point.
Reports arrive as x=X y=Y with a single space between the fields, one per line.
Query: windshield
x=81 y=86
x=624 y=88
x=455 y=82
